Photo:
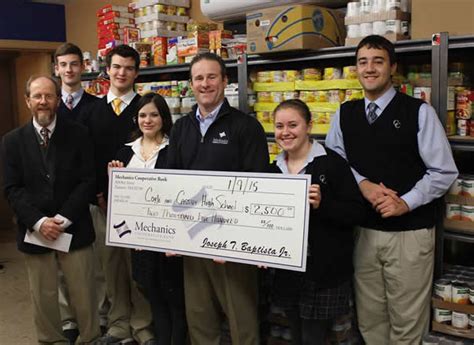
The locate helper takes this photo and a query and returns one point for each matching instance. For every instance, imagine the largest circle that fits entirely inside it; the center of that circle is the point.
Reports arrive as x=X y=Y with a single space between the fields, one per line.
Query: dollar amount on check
x=252 y=218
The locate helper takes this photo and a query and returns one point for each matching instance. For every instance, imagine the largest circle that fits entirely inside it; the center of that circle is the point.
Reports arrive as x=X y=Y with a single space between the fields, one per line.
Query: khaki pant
x=78 y=270
x=67 y=316
x=129 y=313
x=392 y=281
x=210 y=289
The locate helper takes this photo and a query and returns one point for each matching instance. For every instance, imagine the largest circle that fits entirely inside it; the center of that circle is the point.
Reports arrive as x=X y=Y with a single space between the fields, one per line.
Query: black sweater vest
x=387 y=151
x=81 y=111
x=109 y=133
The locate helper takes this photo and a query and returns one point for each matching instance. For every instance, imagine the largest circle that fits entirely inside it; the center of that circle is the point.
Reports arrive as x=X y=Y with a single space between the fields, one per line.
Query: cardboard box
x=453 y=16
x=191 y=46
x=115 y=14
x=108 y=8
x=294 y=27
x=131 y=35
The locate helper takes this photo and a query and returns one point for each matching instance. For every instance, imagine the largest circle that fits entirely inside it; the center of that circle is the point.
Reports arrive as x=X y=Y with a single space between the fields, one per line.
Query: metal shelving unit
x=458 y=143
x=436 y=51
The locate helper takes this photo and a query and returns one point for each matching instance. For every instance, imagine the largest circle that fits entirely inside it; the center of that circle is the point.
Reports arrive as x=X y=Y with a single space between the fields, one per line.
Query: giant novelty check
x=251 y=218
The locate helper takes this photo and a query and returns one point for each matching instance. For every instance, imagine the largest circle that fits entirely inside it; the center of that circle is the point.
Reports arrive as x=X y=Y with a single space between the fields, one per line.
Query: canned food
x=264 y=77
x=453 y=211
x=463 y=127
x=353 y=9
x=277 y=76
x=443 y=290
x=331 y=73
x=311 y=74
x=276 y=96
x=442 y=315
x=393 y=26
x=181 y=11
x=171 y=26
x=264 y=96
x=352 y=94
x=393 y=5
x=159 y=24
x=264 y=116
x=366 y=29
x=423 y=93
x=405 y=28
x=468 y=187
x=463 y=104
x=460 y=292
x=353 y=31
x=290 y=95
x=451 y=98
x=467 y=213
x=366 y=6
x=471 y=292
x=460 y=320
x=289 y=75
x=307 y=96
x=349 y=72
x=321 y=96
x=171 y=10
x=180 y=27
x=379 y=27
x=148 y=10
x=334 y=96
x=158 y=8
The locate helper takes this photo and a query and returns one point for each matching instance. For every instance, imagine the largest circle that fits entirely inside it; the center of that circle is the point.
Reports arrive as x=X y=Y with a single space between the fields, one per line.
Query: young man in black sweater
x=74 y=105
x=68 y=66
x=110 y=123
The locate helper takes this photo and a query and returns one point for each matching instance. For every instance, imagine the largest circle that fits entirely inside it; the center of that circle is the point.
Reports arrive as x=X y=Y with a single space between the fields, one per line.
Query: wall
x=27 y=64
x=81 y=22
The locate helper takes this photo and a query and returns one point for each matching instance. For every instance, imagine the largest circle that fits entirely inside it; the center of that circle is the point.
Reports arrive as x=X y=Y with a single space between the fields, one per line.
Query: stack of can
x=463 y=186
x=464 y=103
x=455 y=286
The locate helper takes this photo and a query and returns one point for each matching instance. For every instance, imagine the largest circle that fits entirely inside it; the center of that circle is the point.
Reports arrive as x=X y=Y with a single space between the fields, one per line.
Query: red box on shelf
x=108 y=8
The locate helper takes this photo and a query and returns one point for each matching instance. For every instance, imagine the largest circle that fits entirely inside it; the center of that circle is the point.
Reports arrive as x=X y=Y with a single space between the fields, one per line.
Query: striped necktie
x=116 y=103
x=372 y=115
x=69 y=101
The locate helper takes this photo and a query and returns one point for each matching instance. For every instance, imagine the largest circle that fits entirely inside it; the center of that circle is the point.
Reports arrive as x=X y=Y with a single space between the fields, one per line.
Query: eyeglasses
x=48 y=97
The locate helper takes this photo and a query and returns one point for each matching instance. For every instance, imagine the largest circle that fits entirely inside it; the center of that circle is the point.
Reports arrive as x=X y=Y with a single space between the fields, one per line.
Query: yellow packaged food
x=349 y=72
x=332 y=73
x=264 y=97
x=289 y=75
x=264 y=77
x=311 y=74
x=307 y=96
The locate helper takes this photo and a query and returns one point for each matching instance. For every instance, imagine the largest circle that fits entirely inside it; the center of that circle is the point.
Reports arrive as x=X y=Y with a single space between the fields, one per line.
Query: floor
x=16 y=315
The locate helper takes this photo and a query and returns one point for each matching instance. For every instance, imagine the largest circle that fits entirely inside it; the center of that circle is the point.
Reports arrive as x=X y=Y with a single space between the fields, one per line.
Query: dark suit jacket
x=63 y=182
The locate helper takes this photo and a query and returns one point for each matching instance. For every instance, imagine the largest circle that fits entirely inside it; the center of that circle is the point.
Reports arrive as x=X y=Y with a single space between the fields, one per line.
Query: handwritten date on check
x=250 y=218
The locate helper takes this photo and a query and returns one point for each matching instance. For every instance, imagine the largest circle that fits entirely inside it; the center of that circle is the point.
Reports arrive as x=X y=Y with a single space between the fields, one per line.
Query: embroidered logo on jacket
x=221 y=139
x=397 y=124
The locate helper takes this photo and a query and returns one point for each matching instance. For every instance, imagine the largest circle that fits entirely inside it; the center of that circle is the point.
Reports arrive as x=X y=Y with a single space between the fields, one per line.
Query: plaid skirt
x=313 y=302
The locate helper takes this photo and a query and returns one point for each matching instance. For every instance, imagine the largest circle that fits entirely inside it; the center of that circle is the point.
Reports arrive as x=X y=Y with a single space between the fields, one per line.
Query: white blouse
x=137 y=160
